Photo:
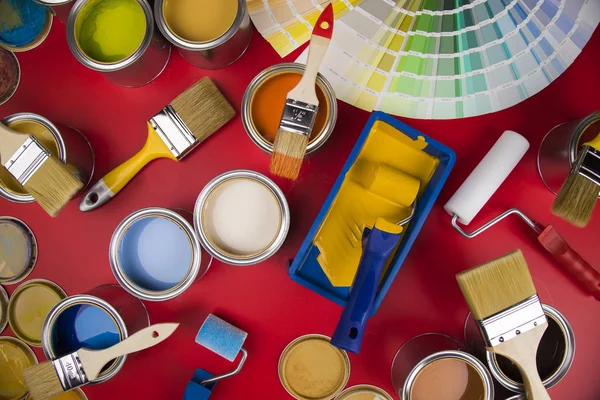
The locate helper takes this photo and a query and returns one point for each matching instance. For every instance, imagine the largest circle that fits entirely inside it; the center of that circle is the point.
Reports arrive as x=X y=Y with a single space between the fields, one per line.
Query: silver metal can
x=208 y=239
x=142 y=67
x=126 y=315
x=19 y=250
x=214 y=54
x=65 y=142
x=285 y=68
x=559 y=149
x=3 y=309
x=10 y=75
x=142 y=239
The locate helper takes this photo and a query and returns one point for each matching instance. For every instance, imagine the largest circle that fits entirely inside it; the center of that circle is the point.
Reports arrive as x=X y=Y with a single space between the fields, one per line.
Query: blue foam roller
x=221 y=337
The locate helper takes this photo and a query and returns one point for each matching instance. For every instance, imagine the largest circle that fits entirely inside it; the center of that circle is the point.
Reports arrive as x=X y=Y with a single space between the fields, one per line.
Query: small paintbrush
x=301 y=105
x=578 y=195
x=502 y=297
x=42 y=175
x=51 y=378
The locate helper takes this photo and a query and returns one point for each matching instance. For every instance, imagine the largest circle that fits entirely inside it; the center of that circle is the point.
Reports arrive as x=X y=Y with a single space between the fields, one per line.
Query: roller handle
x=581 y=271
x=377 y=247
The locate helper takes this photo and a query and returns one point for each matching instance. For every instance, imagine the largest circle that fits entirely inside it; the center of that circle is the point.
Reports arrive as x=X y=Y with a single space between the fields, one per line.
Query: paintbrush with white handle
x=51 y=378
x=301 y=105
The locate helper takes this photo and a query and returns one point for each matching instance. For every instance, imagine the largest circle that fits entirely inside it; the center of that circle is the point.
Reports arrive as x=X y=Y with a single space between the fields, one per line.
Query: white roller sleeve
x=487 y=177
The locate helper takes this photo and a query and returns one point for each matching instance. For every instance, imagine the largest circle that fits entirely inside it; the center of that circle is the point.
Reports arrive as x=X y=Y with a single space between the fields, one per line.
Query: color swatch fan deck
x=436 y=59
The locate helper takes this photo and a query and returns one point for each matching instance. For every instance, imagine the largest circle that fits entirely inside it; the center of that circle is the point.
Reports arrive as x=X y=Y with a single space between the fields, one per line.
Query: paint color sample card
x=437 y=59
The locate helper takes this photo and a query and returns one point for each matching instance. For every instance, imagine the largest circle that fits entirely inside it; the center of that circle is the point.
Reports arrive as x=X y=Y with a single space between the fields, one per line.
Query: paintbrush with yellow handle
x=578 y=195
x=42 y=175
x=502 y=297
x=301 y=105
x=51 y=378
x=173 y=133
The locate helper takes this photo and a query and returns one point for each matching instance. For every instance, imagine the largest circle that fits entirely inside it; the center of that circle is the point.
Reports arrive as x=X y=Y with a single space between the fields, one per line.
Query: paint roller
x=221 y=338
x=483 y=182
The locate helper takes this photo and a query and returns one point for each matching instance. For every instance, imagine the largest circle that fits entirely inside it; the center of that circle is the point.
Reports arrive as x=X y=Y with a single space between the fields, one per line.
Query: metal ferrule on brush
x=510 y=323
x=70 y=371
x=588 y=164
x=298 y=117
x=174 y=132
x=27 y=160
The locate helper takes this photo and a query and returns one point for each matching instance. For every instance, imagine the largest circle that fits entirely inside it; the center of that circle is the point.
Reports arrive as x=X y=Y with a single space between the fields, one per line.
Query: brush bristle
x=203 y=108
x=53 y=185
x=576 y=200
x=288 y=154
x=42 y=381
x=497 y=285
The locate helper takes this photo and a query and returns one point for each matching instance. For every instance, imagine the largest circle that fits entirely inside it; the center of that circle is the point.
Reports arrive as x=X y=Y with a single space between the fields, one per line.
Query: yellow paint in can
x=199 y=21
x=15 y=357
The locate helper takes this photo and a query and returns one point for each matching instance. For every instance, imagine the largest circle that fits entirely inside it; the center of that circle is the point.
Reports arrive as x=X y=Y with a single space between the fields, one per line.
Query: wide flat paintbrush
x=48 y=379
x=45 y=177
x=173 y=133
x=578 y=195
x=301 y=105
x=502 y=297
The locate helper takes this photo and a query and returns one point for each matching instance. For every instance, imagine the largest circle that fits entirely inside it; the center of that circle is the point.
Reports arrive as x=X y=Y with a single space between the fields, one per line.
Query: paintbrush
x=301 y=105
x=42 y=175
x=502 y=297
x=51 y=378
x=173 y=133
x=578 y=195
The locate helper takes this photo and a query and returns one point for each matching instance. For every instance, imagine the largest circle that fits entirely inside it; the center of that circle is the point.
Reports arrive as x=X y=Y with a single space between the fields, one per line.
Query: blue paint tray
x=305 y=268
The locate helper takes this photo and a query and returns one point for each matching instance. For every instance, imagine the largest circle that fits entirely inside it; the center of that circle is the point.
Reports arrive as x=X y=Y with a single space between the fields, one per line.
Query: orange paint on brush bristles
x=269 y=100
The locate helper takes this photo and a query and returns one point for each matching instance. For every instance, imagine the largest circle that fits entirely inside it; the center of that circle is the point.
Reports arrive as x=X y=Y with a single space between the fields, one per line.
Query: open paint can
x=29 y=305
x=17 y=357
x=364 y=392
x=432 y=366
x=555 y=353
x=155 y=254
x=209 y=34
x=97 y=320
x=24 y=24
x=264 y=100
x=311 y=368
x=76 y=394
x=64 y=142
x=118 y=39
x=242 y=217
x=559 y=149
x=18 y=250
x=10 y=75
x=3 y=309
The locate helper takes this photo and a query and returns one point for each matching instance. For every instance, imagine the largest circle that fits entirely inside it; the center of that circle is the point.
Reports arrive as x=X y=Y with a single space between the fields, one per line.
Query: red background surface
x=262 y=299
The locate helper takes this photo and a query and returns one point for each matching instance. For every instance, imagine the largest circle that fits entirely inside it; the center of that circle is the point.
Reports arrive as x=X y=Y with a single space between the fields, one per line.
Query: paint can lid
x=310 y=368
x=17 y=357
x=28 y=307
x=364 y=392
x=18 y=250
x=3 y=309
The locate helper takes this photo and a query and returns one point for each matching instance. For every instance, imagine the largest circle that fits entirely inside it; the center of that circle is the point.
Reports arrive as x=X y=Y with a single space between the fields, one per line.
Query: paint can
x=18 y=250
x=29 y=305
x=97 y=320
x=265 y=97
x=10 y=75
x=17 y=358
x=554 y=357
x=559 y=149
x=155 y=254
x=131 y=62
x=60 y=8
x=241 y=217
x=311 y=368
x=3 y=309
x=213 y=48
x=24 y=24
x=65 y=142
x=364 y=392
x=75 y=394
x=436 y=357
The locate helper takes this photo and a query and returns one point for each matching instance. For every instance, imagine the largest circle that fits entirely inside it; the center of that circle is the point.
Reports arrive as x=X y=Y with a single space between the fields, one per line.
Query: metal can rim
x=18 y=64
x=578 y=131
x=34 y=252
x=560 y=372
x=114 y=66
x=3 y=309
x=25 y=347
x=131 y=287
x=283 y=229
x=194 y=46
x=38 y=40
x=365 y=387
x=301 y=339
x=89 y=300
x=486 y=377
x=53 y=4
x=246 y=111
